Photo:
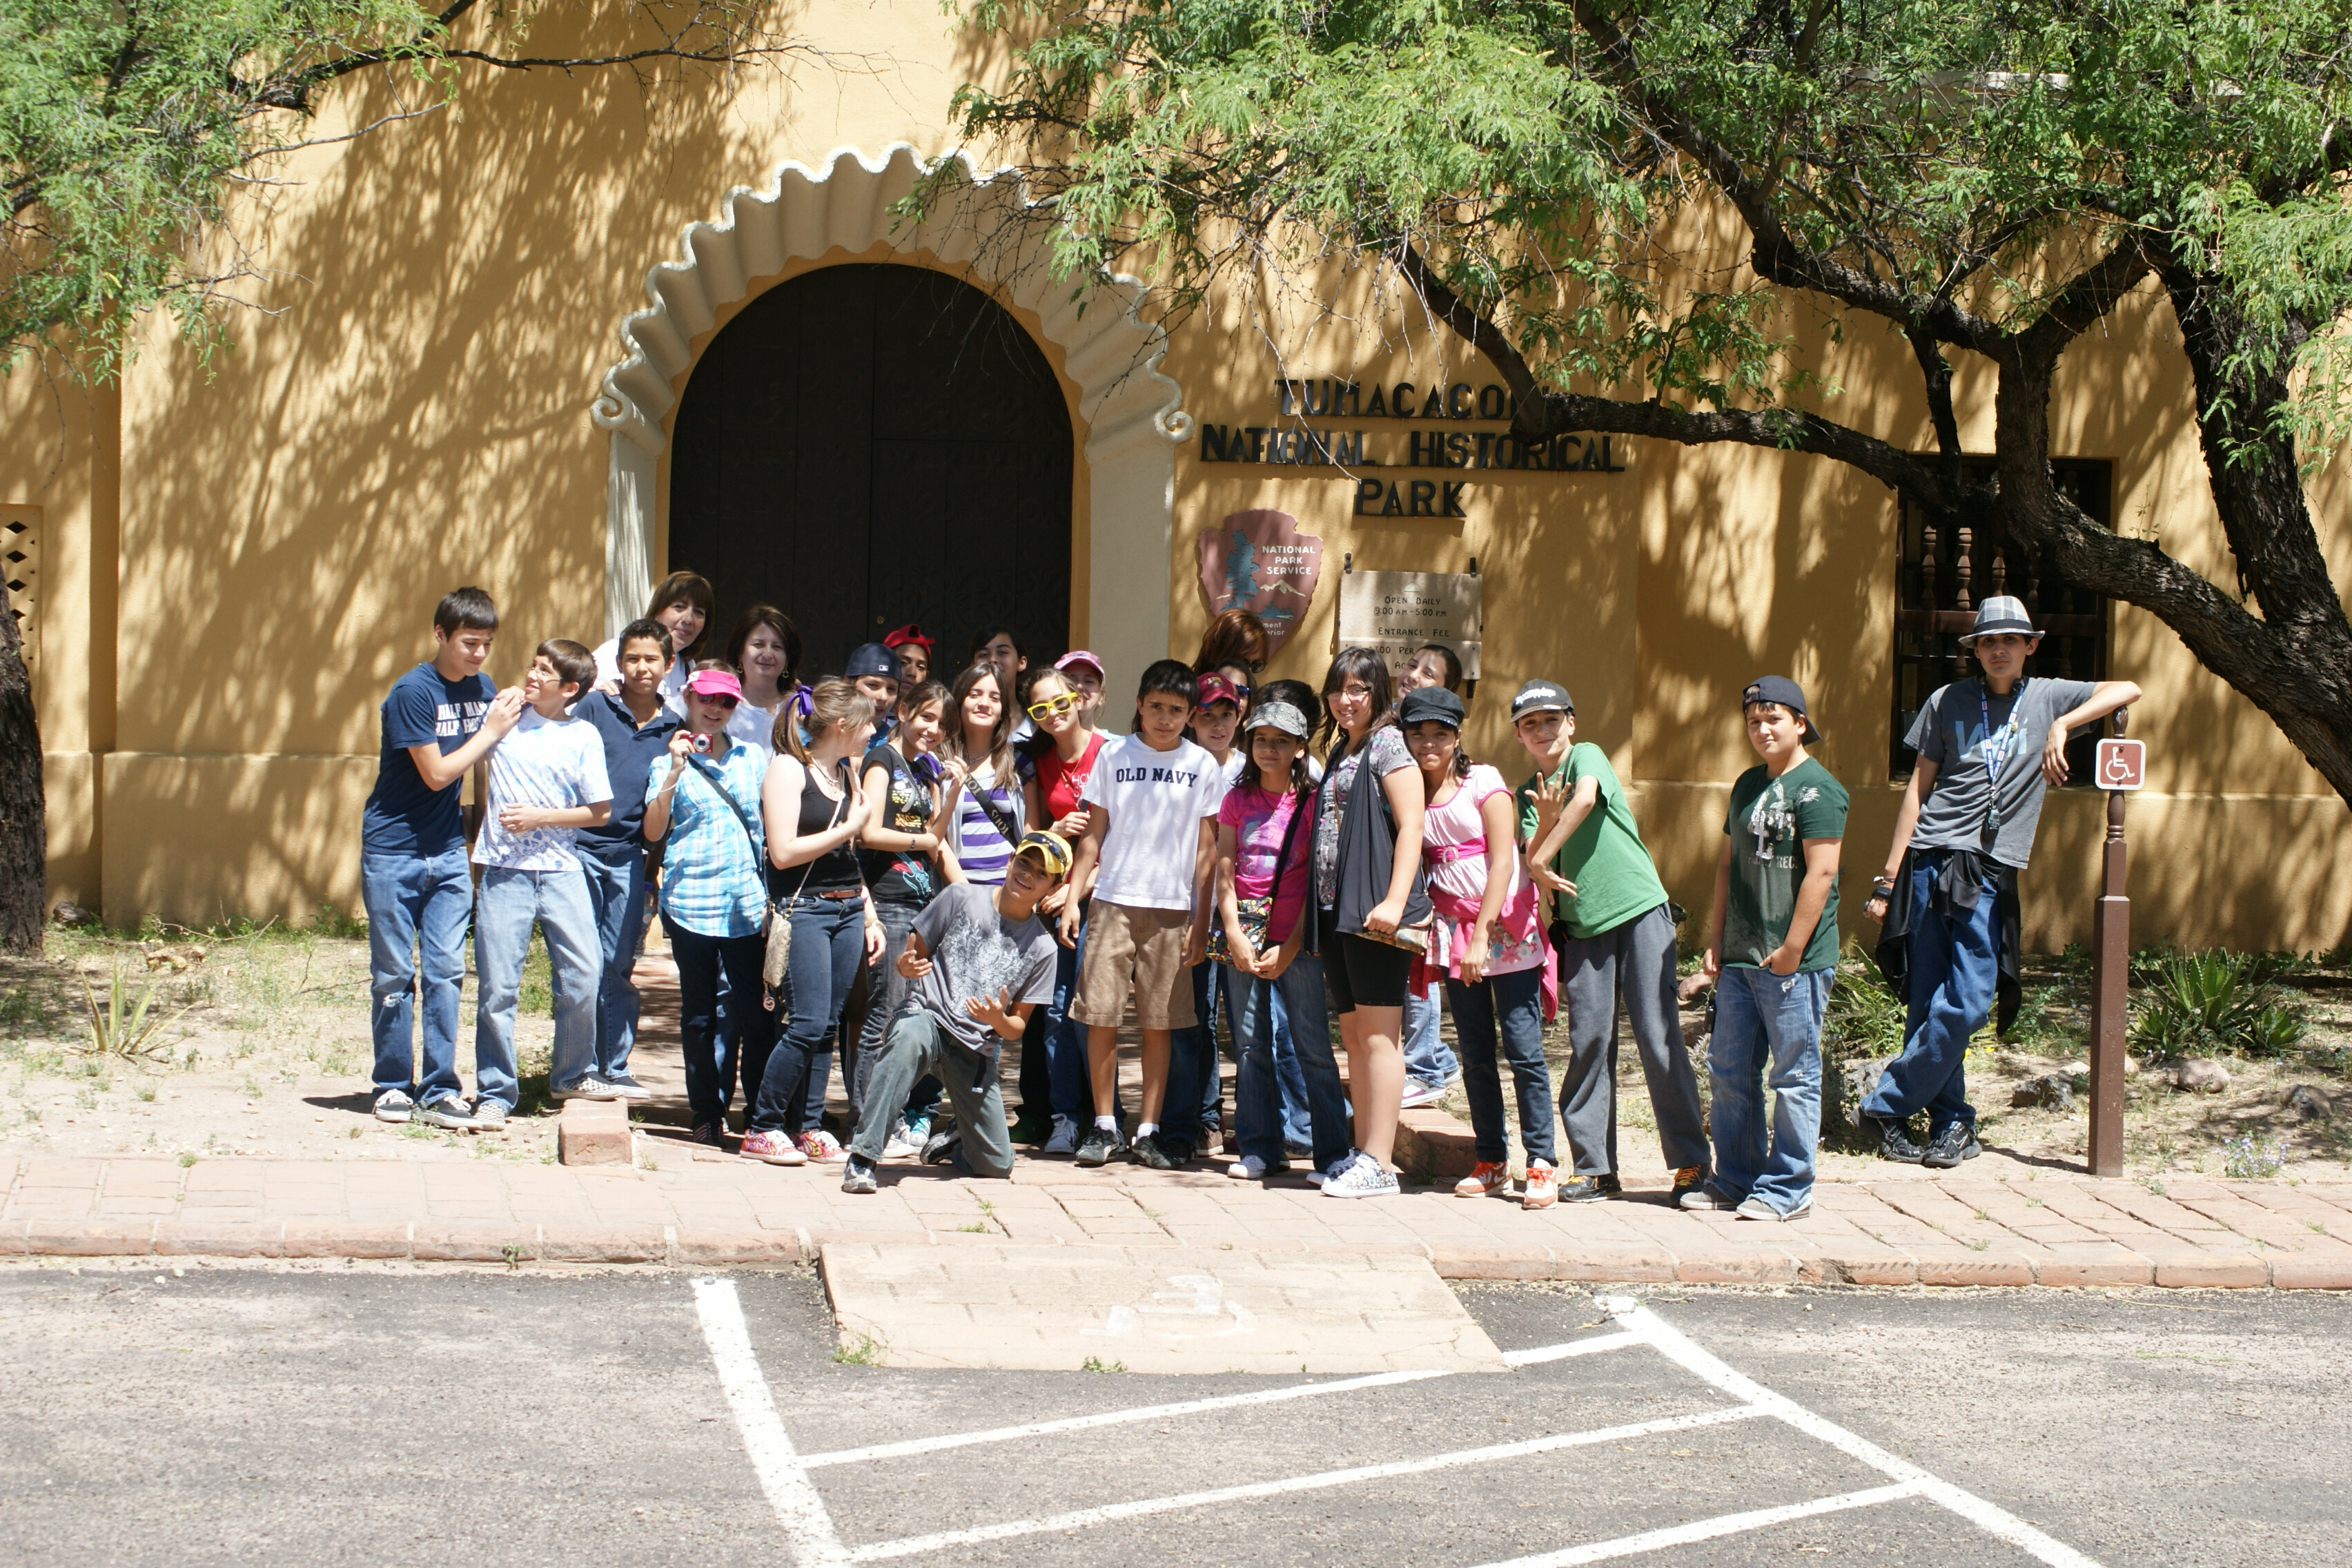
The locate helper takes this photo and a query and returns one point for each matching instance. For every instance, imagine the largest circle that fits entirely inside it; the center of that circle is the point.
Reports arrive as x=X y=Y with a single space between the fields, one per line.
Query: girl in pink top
x=1487 y=942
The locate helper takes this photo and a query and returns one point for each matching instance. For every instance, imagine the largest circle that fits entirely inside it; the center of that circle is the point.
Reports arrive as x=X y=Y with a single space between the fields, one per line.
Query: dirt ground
x=258 y=1047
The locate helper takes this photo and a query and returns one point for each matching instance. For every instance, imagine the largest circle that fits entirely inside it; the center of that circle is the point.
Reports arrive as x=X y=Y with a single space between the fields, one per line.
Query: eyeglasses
x=1053 y=707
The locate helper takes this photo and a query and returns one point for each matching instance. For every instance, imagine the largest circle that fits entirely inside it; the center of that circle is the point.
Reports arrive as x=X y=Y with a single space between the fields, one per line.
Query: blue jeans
x=1065 y=1042
x=509 y=905
x=721 y=1017
x=1297 y=1128
x=412 y=903
x=828 y=944
x=1252 y=1004
x=1768 y=1028
x=1514 y=1004
x=1427 y=1057
x=1195 y=1085
x=1955 y=981
x=616 y=894
x=886 y=992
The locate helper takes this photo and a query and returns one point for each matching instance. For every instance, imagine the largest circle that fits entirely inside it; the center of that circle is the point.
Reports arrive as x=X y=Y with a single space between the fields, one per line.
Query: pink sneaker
x=822 y=1147
x=771 y=1148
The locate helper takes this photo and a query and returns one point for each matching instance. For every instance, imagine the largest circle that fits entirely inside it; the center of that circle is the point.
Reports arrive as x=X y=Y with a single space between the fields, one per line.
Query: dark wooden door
x=870 y=444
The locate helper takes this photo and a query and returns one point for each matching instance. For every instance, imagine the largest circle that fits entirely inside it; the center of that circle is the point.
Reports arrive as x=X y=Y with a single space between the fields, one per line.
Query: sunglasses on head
x=1049 y=707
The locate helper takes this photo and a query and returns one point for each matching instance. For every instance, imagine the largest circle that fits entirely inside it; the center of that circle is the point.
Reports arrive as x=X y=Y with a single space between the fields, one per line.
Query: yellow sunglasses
x=1054 y=705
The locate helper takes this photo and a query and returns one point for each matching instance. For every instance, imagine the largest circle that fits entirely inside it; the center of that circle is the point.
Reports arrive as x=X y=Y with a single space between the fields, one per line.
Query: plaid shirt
x=713 y=879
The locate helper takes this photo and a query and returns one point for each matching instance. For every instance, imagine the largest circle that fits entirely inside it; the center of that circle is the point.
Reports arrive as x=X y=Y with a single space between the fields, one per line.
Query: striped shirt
x=980 y=848
x=710 y=880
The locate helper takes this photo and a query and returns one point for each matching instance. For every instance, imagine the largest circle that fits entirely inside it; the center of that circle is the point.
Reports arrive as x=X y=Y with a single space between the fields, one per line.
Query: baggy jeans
x=916 y=1048
x=1258 y=1121
x=509 y=903
x=1634 y=959
x=1511 y=1006
x=1767 y=1030
x=616 y=894
x=413 y=903
x=886 y=992
x=1955 y=983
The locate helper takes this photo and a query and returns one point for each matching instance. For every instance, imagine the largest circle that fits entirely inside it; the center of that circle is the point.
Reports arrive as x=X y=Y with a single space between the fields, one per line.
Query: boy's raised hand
x=996 y=1012
x=506 y=711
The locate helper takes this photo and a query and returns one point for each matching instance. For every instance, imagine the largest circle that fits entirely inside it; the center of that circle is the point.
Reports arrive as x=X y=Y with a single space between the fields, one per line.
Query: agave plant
x=2214 y=1004
x=124 y=1027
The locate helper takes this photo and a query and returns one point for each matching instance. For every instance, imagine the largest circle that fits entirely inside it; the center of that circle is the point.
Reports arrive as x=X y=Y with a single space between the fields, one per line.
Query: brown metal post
x=2110 y=1005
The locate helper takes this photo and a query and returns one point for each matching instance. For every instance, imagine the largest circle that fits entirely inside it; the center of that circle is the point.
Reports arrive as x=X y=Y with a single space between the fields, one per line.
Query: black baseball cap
x=1787 y=693
x=871 y=659
x=1540 y=697
x=1426 y=702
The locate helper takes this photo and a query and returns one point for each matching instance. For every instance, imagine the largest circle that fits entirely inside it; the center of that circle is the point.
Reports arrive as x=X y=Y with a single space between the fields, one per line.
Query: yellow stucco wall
x=240 y=558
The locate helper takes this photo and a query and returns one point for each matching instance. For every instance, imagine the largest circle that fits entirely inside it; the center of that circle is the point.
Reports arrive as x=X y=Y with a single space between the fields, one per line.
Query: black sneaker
x=1030 y=1128
x=858 y=1175
x=1100 y=1145
x=1149 y=1150
x=707 y=1134
x=1688 y=1179
x=1585 y=1189
x=1955 y=1143
x=1894 y=1141
x=941 y=1145
x=447 y=1111
x=1610 y=1187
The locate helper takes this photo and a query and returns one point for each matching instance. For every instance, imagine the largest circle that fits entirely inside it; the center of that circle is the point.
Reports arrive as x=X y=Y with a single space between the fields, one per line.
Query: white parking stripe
x=1708 y=1528
x=1574 y=1347
x=1115 y=1417
x=808 y=1528
x=1082 y=1518
x=1989 y=1517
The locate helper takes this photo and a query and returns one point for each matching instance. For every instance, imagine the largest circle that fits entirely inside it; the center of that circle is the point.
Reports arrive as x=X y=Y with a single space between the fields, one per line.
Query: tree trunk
x=24 y=815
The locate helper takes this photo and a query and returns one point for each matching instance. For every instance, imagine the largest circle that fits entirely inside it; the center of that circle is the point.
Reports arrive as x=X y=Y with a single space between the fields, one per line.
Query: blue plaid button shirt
x=713 y=879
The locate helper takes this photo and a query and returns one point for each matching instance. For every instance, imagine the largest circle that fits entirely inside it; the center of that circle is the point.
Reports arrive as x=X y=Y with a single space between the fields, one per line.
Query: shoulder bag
x=1253 y=913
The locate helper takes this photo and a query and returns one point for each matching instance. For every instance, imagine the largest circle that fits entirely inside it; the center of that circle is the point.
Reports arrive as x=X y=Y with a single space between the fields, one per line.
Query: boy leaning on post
x=1989 y=747
x=980 y=960
x=1772 y=960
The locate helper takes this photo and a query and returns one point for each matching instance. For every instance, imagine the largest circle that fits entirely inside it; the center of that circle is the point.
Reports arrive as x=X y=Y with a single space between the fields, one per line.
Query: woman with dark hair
x=681 y=601
x=766 y=646
x=1372 y=906
x=1486 y=943
x=1000 y=646
x=814 y=811
x=987 y=809
x=1236 y=636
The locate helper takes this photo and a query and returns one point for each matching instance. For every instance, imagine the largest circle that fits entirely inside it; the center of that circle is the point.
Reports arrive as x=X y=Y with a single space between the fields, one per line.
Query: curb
x=674 y=1248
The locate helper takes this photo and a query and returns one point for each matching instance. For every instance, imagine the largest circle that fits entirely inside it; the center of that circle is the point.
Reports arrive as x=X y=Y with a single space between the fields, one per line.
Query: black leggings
x=1362 y=973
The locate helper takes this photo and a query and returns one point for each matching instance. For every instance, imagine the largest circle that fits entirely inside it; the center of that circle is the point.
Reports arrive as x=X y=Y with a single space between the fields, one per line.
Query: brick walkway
x=2050 y=1228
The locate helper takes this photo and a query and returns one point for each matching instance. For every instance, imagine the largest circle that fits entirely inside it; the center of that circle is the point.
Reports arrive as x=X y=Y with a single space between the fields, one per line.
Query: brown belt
x=838 y=895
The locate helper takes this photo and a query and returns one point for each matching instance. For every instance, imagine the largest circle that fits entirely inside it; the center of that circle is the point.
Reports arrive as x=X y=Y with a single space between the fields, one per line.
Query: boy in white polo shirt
x=547 y=779
x=1146 y=861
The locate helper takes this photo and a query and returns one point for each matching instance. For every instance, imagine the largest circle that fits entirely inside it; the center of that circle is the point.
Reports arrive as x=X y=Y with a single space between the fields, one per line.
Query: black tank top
x=835 y=870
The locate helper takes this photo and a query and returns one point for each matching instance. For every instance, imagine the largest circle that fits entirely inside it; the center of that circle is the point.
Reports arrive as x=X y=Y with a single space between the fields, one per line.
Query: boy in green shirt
x=1614 y=932
x=1774 y=954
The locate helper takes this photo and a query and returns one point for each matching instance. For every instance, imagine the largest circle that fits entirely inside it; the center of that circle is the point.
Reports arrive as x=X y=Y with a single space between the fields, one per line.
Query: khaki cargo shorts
x=1144 y=948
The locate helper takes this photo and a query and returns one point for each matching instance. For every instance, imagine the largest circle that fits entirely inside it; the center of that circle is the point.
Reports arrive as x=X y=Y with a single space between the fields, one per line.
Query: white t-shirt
x=1156 y=801
x=673 y=680
x=754 y=727
x=554 y=764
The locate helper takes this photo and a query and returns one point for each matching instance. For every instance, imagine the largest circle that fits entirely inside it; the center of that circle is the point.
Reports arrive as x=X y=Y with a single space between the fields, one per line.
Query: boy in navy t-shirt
x=440 y=720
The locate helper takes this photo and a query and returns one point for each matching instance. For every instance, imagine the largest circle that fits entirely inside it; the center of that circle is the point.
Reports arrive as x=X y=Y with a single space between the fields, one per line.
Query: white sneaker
x=393 y=1106
x=489 y=1116
x=1248 y=1168
x=902 y=1144
x=1064 y=1137
x=1362 y=1177
x=1419 y=1093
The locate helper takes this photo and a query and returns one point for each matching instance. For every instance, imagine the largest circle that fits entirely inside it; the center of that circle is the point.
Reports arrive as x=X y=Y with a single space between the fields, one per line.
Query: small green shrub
x=2215 y=1004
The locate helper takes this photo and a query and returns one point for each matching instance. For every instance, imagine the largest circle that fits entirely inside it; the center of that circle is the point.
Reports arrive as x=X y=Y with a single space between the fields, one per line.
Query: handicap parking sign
x=2123 y=765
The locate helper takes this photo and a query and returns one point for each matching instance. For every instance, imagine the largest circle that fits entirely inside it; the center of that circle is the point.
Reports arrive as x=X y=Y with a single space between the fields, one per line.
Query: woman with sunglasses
x=702 y=807
x=814 y=812
x=1054 y=1050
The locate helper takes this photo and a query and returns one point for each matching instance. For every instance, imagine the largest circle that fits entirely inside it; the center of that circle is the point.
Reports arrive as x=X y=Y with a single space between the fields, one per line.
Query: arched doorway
x=871 y=444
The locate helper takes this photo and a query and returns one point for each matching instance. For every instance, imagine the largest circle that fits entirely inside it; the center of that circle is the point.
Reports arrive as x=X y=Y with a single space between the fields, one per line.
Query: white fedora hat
x=1999 y=613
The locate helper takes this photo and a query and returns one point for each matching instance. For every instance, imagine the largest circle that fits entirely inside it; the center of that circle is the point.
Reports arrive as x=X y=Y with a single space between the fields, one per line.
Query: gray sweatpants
x=916 y=1044
x=1634 y=959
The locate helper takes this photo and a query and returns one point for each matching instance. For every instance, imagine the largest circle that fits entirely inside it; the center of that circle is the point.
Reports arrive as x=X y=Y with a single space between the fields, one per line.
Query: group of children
x=987 y=865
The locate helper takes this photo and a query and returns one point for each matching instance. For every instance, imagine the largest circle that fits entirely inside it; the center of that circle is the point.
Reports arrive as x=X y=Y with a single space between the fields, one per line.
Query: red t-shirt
x=1060 y=783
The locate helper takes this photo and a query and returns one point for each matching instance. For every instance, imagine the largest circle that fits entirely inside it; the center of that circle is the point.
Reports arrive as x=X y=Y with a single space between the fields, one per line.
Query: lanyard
x=1997 y=749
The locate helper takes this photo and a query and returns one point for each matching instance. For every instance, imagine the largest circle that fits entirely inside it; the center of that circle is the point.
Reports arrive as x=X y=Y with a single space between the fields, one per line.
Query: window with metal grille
x=20 y=561
x=1942 y=574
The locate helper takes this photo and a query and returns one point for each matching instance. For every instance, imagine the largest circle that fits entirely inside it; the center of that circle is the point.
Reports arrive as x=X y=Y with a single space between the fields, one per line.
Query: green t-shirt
x=1768 y=823
x=1604 y=857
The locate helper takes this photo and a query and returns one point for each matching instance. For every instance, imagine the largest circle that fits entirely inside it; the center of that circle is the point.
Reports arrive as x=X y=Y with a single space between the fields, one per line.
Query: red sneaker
x=1486 y=1179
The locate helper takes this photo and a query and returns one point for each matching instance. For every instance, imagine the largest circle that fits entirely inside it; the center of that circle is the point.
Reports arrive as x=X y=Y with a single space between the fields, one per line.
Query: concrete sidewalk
x=2042 y=1227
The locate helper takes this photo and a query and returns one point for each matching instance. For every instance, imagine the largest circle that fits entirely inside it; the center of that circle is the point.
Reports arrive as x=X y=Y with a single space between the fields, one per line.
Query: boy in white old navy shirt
x=1148 y=852
x=547 y=779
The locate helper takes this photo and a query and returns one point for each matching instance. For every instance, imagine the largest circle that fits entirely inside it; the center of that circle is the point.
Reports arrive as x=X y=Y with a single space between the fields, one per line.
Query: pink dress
x=1454 y=848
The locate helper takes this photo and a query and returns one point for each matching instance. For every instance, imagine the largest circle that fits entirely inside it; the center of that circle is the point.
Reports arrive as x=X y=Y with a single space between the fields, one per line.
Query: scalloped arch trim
x=1133 y=414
